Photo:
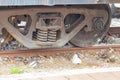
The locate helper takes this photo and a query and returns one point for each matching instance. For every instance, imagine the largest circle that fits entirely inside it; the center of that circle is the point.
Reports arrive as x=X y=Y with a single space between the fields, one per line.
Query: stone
x=80 y=55
x=76 y=59
x=111 y=50
x=34 y=64
x=18 y=58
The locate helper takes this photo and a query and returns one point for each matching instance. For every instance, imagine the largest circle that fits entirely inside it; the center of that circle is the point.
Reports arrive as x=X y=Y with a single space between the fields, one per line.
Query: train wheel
x=91 y=34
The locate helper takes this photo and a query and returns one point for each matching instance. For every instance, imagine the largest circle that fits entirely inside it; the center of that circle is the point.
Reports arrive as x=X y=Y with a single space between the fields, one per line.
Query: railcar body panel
x=52 y=2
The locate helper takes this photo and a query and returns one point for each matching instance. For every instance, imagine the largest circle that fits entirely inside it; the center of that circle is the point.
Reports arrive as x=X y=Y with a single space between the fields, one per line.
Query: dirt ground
x=57 y=62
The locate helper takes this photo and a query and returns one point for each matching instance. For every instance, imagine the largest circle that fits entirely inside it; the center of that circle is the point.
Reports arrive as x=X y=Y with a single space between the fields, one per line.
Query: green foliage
x=16 y=70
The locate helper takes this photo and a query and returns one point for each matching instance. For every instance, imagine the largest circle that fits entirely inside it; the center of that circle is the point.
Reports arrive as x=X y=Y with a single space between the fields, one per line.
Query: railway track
x=114 y=31
x=61 y=75
x=48 y=52
x=35 y=52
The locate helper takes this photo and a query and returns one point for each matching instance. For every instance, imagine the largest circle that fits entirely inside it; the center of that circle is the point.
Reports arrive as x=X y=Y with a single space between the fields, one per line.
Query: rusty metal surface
x=87 y=38
x=114 y=31
x=27 y=40
x=108 y=1
x=48 y=52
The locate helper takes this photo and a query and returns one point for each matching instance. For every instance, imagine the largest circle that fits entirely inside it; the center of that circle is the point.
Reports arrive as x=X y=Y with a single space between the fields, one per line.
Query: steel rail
x=114 y=31
x=48 y=52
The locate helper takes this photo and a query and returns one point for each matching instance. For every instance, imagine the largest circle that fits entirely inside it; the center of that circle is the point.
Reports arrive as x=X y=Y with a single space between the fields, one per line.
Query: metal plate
x=52 y=2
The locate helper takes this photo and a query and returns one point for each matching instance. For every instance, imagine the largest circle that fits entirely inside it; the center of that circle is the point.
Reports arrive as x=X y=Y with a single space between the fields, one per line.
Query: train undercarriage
x=54 y=26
